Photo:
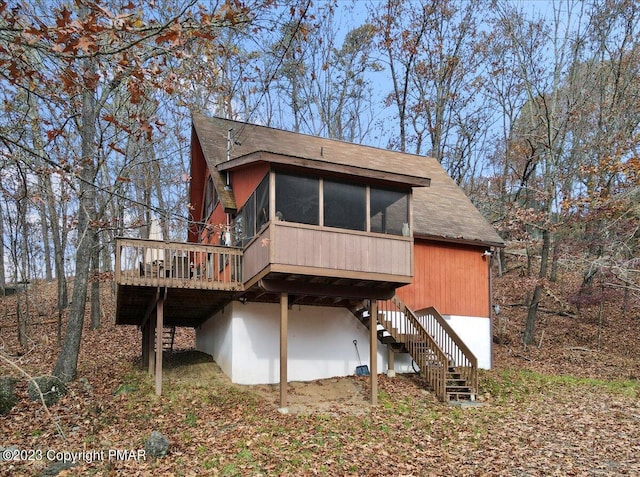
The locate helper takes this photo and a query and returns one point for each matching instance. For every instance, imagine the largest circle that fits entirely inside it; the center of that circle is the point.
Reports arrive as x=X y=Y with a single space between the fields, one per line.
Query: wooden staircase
x=168 y=338
x=457 y=388
x=444 y=360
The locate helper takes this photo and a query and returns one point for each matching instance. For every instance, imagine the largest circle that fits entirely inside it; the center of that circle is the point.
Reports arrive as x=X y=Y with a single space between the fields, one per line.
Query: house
x=302 y=248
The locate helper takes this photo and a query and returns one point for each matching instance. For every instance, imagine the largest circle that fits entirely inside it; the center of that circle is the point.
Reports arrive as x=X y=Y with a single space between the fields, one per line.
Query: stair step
x=168 y=337
x=460 y=388
x=417 y=340
x=461 y=396
x=387 y=339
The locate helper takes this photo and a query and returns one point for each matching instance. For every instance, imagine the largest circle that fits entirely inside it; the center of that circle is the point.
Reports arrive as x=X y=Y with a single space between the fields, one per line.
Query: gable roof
x=444 y=212
x=253 y=143
x=441 y=210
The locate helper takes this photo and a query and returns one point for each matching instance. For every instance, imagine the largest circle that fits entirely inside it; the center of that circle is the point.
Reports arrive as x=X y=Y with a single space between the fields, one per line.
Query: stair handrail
x=411 y=332
x=463 y=358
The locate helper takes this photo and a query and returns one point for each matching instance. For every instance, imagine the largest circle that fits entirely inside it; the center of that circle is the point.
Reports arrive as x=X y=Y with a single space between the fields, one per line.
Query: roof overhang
x=323 y=166
x=459 y=240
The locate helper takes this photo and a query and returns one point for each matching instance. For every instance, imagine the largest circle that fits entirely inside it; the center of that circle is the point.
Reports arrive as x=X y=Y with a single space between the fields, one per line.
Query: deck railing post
x=159 y=329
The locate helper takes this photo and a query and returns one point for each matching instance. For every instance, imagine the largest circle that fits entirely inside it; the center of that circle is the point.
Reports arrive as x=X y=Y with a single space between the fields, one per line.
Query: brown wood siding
x=216 y=224
x=243 y=185
x=311 y=246
x=256 y=255
x=453 y=278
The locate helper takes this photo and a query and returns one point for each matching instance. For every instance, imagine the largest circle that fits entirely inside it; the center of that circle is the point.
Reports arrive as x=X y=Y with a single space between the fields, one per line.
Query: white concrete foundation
x=244 y=341
x=476 y=333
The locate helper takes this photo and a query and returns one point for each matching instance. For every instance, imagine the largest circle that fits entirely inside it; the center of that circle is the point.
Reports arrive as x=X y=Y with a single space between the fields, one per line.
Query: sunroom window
x=389 y=212
x=210 y=199
x=262 y=203
x=297 y=199
x=345 y=205
x=253 y=215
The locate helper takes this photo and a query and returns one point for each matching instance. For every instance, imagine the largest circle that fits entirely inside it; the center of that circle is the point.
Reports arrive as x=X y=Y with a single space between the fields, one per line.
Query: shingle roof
x=302 y=150
x=441 y=211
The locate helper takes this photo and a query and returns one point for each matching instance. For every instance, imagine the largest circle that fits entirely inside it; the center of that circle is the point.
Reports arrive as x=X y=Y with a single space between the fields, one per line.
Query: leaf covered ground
x=563 y=408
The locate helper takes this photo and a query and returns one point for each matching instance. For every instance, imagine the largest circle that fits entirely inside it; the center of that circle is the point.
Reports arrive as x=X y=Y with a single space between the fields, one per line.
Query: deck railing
x=458 y=353
x=405 y=328
x=155 y=263
x=432 y=343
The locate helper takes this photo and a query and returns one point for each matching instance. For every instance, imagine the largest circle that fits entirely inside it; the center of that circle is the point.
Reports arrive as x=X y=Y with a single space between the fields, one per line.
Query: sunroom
x=319 y=235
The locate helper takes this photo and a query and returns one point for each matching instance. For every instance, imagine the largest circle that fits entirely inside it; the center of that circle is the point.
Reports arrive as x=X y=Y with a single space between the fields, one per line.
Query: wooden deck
x=313 y=265
x=195 y=280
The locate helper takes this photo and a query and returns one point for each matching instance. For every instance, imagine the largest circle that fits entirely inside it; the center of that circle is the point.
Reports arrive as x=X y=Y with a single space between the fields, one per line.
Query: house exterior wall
x=475 y=331
x=453 y=278
x=246 y=180
x=244 y=341
x=214 y=338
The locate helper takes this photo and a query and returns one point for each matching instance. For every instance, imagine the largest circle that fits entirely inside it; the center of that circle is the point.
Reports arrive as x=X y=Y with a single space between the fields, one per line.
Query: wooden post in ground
x=151 y=325
x=159 y=328
x=145 y=344
x=373 y=350
x=391 y=358
x=284 y=311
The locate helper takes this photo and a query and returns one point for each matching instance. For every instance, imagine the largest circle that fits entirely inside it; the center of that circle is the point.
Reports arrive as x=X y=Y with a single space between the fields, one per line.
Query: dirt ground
x=347 y=395
x=328 y=396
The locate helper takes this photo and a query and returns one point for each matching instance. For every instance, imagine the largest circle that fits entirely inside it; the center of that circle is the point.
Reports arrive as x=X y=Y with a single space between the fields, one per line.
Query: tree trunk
x=22 y=261
x=45 y=237
x=49 y=209
x=67 y=362
x=554 y=260
x=3 y=279
x=95 y=285
x=23 y=322
x=58 y=245
x=532 y=311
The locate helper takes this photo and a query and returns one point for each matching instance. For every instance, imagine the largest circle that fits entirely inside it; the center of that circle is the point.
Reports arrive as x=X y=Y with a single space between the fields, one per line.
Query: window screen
x=345 y=205
x=249 y=219
x=210 y=199
x=297 y=199
x=389 y=211
x=262 y=203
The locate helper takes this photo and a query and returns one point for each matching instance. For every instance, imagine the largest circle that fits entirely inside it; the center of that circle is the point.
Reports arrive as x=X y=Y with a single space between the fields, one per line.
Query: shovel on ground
x=363 y=369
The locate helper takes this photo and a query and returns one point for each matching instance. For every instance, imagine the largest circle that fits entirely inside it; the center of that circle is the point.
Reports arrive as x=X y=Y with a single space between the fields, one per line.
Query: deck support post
x=145 y=344
x=373 y=350
x=284 y=312
x=159 y=327
x=151 y=338
x=391 y=359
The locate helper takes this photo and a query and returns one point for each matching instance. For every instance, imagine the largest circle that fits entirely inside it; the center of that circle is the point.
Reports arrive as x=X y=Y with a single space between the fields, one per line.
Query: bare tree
x=546 y=117
x=88 y=55
x=401 y=44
